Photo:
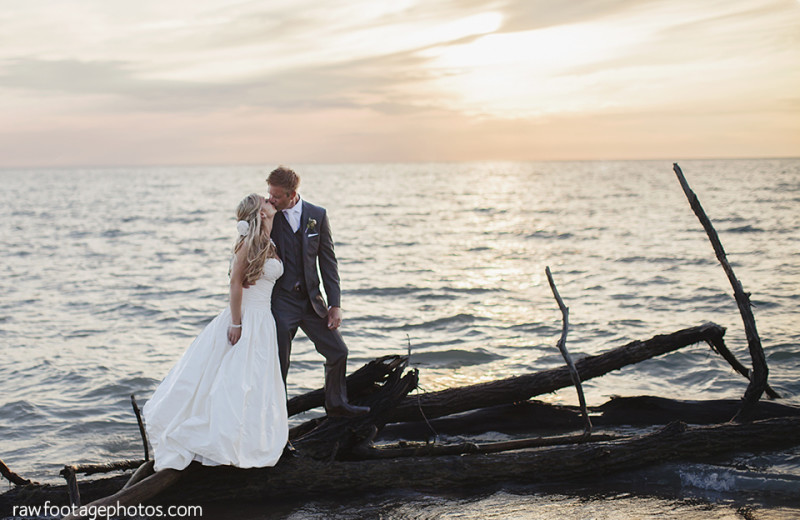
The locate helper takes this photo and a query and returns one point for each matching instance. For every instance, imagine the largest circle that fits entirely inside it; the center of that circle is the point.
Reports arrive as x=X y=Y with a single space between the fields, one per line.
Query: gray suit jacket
x=317 y=249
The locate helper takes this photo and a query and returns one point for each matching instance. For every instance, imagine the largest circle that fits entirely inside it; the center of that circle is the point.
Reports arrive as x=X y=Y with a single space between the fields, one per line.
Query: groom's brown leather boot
x=336 y=404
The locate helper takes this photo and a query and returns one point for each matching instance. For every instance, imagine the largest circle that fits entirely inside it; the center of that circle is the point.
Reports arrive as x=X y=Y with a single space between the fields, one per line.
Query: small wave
x=458 y=319
x=784 y=352
x=724 y=480
x=629 y=323
x=763 y=304
x=120 y=389
x=418 y=346
x=454 y=358
x=467 y=290
x=159 y=293
x=20 y=410
x=549 y=235
x=112 y=233
x=537 y=329
x=435 y=296
x=744 y=229
x=385 y=291
x=183 y=220
x=129 y=309
x=671 y=260
x=372 y=319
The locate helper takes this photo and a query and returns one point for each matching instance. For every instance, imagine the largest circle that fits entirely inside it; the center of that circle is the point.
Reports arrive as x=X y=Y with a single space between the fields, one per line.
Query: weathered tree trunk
x=521 y=388
x=537 y=417
x=301 y=477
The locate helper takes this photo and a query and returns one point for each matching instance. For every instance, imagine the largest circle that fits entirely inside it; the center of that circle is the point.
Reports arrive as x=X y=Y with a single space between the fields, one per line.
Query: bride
x=224 y=401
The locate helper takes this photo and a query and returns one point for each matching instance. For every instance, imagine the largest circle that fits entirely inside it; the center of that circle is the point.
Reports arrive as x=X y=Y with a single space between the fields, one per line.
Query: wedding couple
x=224 y=402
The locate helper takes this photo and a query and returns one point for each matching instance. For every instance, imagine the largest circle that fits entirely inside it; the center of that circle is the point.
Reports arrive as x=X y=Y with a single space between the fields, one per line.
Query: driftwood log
x=536 y=416
x=521 y=388
x=676 y=442
x=295 y=477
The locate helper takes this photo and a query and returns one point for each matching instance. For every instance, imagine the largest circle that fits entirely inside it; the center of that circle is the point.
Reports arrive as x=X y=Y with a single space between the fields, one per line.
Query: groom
x=302 y=235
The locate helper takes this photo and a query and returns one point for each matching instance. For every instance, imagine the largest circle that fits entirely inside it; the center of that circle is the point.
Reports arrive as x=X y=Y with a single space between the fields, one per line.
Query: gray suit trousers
x=293 y=310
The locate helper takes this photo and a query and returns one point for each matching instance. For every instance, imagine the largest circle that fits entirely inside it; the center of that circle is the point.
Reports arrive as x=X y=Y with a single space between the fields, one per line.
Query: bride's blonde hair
x=259 y=246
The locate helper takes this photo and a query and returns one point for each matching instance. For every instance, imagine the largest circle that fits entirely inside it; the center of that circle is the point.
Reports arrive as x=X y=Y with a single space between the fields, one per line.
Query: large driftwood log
x=301 y=476
x=367 y=378
x=295 y=477
x=537 y=417
x=521 y=388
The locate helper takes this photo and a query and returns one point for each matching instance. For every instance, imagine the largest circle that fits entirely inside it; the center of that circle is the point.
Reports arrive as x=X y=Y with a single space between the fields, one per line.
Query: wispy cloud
x=424 y=78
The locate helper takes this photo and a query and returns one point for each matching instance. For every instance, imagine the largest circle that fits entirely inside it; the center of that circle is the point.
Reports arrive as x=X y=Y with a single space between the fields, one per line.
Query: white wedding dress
x=224 y=404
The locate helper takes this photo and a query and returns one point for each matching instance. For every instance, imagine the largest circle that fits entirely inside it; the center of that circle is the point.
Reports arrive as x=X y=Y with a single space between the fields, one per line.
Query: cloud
x=359 y=83
x=442 y=79
x=526 y=15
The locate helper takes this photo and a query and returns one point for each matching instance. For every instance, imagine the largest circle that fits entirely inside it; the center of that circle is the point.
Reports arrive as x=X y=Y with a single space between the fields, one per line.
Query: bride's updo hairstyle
x=259 y=246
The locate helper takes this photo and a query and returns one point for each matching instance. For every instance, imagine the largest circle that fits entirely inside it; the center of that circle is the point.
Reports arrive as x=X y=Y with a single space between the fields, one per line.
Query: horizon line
x=331 y=163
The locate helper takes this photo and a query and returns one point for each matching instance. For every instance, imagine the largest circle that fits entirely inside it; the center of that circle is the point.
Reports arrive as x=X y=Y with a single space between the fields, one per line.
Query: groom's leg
x=288 y=313
x=328 y=342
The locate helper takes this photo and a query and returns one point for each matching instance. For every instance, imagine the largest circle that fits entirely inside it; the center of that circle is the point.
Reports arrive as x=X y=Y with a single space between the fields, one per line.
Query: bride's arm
x=237 y=281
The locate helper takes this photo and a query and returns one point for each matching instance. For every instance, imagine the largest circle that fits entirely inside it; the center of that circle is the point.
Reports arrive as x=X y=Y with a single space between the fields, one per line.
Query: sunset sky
x=101 y=83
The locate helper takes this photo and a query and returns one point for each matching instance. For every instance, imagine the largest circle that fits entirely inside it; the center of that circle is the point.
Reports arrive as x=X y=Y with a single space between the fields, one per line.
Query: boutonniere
x=312 y=225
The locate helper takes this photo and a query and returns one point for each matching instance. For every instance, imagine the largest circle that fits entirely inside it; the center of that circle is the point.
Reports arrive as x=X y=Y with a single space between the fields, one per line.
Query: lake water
x=108 y=274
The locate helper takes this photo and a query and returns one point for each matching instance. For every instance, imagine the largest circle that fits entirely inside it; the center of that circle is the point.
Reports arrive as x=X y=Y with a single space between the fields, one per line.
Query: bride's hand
x=234 y=334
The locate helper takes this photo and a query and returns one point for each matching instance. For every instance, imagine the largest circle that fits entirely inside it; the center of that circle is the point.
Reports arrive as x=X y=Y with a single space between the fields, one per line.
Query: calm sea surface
x=106 y=275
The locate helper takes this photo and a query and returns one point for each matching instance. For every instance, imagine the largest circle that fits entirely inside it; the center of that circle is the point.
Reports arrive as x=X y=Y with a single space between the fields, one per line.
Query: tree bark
x=758 y=378
x=299 y=477
x=521 y=388
x=304 y=477
x=537 y=417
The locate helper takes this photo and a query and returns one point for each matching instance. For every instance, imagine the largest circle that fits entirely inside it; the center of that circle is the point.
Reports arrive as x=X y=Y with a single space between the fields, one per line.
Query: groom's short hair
x=284 y=177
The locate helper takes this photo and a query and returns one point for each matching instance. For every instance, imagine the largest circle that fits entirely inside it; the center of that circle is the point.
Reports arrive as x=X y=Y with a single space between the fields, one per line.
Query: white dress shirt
x=293 y=214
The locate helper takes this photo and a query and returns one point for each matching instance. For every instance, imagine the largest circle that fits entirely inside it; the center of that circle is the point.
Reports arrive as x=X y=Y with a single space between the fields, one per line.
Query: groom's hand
x=334 y=317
